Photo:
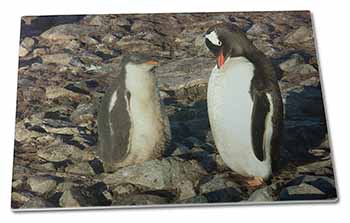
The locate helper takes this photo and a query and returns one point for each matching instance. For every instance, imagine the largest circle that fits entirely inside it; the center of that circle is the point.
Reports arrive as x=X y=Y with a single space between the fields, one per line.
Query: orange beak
x=220 y=59
x=152 y=62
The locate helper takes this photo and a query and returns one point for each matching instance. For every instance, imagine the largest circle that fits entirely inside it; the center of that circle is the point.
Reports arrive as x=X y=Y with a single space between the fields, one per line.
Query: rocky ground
x=67 y=62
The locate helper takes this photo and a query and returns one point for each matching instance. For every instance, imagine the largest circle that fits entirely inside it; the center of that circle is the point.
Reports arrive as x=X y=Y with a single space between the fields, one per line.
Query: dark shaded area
x=305 y=123
x=229 y=194
x=42 y=23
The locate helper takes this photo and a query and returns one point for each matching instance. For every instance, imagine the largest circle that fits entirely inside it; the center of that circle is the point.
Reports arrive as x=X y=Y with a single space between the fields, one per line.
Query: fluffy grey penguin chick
x=132 y=126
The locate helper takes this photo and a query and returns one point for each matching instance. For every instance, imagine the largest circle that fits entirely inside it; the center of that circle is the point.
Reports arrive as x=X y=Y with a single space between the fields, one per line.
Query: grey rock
x=83 y=169
x=300 y=35
x=58 y=152
x=320 y=168
x=266 y=47
x=293 y=61
x=37 y=202
x=84 y=114
x=23 y=51
x=28 y=43
x=23 y=134
x=259 y=28
x=20 y=197
x=72 y=198
x=199 y=44
x=157 y=174
x=180 y=149
x=303 y=69
x=96 y=21
x=59 y=58
x=140 y=199
x=309 y=187
x=218 y=182
x=185 y=190
x=120 y=21
x=20 y=171
x=43 y=167
x=53 y=92
x=109 y=39
x=123 y=189
x=16 y=184
x=302 y=192
x=182 y=71
x=41 y=185
x=38 y=52
x=66 y=32
x=264 y=194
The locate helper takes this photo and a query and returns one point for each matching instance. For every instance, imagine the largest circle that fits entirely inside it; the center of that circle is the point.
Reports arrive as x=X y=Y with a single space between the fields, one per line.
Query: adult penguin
x=132 y=126
x=244 y=104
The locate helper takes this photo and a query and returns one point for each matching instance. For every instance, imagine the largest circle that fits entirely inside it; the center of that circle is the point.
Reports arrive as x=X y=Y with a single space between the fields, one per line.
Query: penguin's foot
x=255 y=182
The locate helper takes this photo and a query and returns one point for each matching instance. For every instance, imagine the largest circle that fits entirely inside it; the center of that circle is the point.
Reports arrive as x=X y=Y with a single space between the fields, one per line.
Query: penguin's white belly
x=145 y=128
x=144 y=110
x=230 y=109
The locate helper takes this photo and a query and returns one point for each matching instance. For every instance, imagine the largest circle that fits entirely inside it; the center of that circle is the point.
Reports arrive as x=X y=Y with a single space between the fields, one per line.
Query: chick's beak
x=152 y=62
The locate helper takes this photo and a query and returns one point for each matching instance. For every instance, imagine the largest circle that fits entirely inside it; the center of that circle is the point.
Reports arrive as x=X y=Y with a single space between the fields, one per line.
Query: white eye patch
x=213 y=38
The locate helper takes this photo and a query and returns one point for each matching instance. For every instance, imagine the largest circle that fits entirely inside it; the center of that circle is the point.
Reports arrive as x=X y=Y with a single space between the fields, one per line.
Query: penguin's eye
x=219 y=43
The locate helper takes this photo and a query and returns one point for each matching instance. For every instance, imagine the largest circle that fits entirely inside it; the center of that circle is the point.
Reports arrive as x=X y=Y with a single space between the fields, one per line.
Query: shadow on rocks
x=304 y=125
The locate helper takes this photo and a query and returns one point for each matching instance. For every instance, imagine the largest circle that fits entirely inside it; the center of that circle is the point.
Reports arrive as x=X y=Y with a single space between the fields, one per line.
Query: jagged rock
x=96 y=21
x=28 y=43
x=22 y=51
x=37 y=202
x=43 y=167
x=301 y=192
x=38 y=52
x=20 y=198
x=307 y=187
x=16 y=184
x=262 y=195
x=218 y=182
x=59 y=58
x=182 y=71
x=109 y=39
x=260 y=28
x=300 y=35
x=56 y=92
x=84 y=114
x=58 y=152
x=266 y=47
x=83 y=169
x=186 y=190
x=123 y=189
x=72 y=197
x=302 y=69
x=157 y=174
x=319 y=168
x=66 y=32
x=41 y=185
x=180 y=150
x=293 y=61
x=23 y=134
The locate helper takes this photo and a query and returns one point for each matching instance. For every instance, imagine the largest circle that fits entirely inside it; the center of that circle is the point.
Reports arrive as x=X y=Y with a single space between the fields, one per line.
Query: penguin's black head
x=226 y=40
x=140 y=60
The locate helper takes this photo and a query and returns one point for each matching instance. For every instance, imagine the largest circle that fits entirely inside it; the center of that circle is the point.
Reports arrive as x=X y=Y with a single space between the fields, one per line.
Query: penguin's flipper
x=260 y=110
x=114 y=125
